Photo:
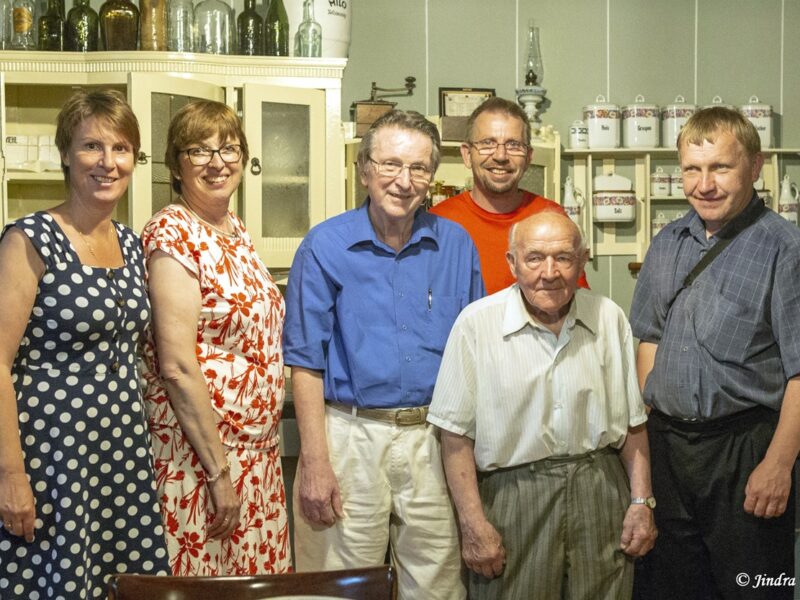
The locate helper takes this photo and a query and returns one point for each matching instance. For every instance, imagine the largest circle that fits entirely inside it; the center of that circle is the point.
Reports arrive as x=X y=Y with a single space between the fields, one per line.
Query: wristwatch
x=649 y=502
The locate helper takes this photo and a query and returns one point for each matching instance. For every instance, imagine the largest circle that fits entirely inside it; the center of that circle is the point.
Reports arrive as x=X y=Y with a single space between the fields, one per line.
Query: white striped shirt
x=523 y=394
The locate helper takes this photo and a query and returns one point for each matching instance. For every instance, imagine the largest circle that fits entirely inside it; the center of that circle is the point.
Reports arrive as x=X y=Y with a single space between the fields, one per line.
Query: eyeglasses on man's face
x=199 y=156
x=513 y=147
x=392 y=168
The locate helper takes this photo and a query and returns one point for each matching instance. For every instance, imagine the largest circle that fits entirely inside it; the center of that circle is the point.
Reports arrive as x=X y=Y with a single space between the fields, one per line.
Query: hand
x=320 y=500
x=639 y=531
x=482 y=548
x=227 y=508
x=17 y=507
x=767 y=490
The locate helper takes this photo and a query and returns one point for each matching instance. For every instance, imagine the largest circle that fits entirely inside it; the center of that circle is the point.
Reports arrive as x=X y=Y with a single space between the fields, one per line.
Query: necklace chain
x=86 y=242
x=233 y=234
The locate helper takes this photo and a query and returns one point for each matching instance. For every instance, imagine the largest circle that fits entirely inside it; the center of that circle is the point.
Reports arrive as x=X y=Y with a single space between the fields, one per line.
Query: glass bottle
x=308 y=39
x=51 y=27
x=81 y=28
x=250 y=30
x=153 y=25
x=22 y=34
x=181 y=26
x=119 y=25
x=212 y=23
x=6 y=24
x=276 y=30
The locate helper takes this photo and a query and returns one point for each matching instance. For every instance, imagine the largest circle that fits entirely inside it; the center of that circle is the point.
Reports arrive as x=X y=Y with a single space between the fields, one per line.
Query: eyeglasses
x=230 y=153
x=392 y=168
x=487 y=147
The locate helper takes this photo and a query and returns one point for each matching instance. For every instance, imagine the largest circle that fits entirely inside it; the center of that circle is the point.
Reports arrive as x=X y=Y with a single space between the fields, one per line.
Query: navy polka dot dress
x=82 y=426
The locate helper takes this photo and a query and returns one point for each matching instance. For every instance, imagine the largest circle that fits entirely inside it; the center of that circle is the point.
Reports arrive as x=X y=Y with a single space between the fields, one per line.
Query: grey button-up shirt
x=730 y=340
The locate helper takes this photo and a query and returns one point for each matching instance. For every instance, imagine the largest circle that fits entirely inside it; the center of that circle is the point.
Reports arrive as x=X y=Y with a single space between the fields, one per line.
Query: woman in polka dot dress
x=77 y=492
x=214 y=363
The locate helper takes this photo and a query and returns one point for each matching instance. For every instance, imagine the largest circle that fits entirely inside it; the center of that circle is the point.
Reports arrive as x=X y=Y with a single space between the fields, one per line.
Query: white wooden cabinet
x=291 y=109
x=633 y=238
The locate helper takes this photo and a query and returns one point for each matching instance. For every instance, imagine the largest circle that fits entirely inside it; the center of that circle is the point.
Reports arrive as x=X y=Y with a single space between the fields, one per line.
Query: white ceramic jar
x=640 y=124
x=578 y=135
x=614 y=206
x=658 y=223
x=760 y=115
x=660 y=182
x=602 y=121
x=673 y=118
x=676 y=183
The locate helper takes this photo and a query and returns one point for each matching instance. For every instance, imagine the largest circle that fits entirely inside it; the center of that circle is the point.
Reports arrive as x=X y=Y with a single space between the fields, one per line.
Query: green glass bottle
x=119 y=25
x=51 y=27
x=250 y=30
x=82 y=28
x=276 y=30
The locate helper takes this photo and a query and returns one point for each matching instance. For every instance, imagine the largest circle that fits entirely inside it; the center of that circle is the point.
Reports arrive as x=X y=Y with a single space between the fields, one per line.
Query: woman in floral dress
x=214 y=366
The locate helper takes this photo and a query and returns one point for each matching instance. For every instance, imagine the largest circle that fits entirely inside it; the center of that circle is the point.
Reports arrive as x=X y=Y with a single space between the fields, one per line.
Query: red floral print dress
x=239 y=351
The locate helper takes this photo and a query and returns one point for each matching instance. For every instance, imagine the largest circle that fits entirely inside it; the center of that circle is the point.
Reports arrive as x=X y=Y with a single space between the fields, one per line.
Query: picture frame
x=460 y=102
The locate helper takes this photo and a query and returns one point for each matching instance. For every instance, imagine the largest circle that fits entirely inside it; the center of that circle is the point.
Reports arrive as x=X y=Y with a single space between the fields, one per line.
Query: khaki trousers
x=394 y=494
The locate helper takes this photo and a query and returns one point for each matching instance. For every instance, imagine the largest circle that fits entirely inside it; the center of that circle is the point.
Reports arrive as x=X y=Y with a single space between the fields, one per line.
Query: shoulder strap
x=747 y=218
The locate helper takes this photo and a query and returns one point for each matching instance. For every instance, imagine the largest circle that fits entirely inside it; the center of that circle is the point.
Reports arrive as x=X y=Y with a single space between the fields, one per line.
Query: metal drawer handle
x=255 y=166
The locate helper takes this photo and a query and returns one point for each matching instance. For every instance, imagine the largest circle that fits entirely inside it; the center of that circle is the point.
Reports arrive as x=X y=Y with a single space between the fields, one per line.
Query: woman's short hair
x=707 y=123
x=401 y=119
x=107 y=106
x=195 y=123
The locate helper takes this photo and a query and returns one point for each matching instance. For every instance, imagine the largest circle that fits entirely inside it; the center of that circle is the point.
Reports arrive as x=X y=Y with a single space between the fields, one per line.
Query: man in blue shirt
x=372 y=296
x=719 y=361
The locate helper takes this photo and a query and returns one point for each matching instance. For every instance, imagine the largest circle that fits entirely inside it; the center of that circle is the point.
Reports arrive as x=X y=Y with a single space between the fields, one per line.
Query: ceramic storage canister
x=760 y=115
x=613 y=199
x=602 y=120
x=673 y=117
x=640 y=124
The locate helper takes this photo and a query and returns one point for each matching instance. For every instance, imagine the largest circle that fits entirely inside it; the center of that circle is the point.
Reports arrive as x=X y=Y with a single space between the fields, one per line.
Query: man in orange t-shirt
x=498 y=151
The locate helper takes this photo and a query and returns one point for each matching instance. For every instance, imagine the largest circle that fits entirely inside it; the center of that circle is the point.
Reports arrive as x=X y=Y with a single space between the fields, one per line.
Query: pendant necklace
x=233 y=234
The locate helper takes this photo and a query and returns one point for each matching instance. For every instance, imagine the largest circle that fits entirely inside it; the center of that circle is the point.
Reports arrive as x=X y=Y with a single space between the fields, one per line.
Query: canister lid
x=680 y=103
x=600 y=103
x=717 y=101
x=641 y=104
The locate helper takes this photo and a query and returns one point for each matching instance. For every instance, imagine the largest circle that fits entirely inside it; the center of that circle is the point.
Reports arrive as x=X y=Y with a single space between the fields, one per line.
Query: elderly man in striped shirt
x=542 y=427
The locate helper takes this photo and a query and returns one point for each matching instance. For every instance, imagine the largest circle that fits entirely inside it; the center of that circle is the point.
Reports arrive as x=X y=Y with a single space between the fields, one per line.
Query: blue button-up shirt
x=374 y=320
x=731 y=339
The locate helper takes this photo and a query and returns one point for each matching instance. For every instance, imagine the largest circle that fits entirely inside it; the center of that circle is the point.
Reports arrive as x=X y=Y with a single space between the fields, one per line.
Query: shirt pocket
x=729 y=329
x=438 y=315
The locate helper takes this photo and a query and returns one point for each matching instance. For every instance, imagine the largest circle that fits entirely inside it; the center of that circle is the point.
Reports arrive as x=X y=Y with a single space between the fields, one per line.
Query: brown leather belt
x=403 y=417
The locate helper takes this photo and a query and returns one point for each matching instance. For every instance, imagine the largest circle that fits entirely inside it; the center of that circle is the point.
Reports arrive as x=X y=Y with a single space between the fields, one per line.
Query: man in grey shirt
x=719 y=360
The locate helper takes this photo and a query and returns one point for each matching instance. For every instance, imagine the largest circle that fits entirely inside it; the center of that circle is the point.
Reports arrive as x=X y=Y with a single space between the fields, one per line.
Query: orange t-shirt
x=489 y=231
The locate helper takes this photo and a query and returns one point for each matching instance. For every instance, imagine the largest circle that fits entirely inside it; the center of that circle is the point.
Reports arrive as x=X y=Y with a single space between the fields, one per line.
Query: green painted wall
x=618 y=48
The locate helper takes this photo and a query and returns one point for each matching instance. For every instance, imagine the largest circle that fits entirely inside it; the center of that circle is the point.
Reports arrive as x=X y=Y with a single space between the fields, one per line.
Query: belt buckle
x=409 y=416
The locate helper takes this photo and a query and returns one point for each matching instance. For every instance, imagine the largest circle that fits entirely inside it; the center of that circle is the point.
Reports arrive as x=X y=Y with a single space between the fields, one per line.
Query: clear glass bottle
x=22 y=33
x=51 y=27
x=212 y=22
x=6 y=24
x=153 y=25
x=276 y=30
x=81 y=31
x=250 y=30
x=119 y=25
x=308 y=39
x=181 y=26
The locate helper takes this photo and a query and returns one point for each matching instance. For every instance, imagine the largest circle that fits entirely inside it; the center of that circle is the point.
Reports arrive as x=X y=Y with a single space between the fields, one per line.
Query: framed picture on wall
x=460 y=102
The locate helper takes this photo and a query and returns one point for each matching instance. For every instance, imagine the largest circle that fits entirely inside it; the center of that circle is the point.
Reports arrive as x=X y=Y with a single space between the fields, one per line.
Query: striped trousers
x=561 y=521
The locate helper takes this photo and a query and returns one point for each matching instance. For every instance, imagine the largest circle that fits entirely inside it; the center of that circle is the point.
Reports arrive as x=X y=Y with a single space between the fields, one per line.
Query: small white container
x=602 y=121
x=676 y=183
x=760 y=115
x=578 y=135
x=614 y=206
x=660 y=183
x=673 y=118
x=658 y=223
x=640 y=124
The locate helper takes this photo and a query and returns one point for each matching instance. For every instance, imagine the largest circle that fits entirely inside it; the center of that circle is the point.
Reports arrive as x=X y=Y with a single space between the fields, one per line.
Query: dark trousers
x=708 y=547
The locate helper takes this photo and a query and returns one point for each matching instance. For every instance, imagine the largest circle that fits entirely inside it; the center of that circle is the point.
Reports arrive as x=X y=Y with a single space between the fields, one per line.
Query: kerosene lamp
x=532 y=95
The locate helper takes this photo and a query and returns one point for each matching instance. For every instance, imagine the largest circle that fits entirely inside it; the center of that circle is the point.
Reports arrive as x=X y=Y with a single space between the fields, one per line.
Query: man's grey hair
x=401 y=119
x=582 y=244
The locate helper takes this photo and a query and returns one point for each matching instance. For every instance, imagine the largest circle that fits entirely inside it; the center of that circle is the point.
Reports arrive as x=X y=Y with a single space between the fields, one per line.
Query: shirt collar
x=516 y=315
x=697 y=228
x=362 y=230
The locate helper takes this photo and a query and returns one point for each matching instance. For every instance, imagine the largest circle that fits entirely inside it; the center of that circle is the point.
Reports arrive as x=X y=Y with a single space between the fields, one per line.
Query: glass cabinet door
x=155 y=99
x=284 y=184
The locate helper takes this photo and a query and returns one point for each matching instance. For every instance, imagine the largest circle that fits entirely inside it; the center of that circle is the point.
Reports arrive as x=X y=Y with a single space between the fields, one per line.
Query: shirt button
x=408 y=359
x=403 y=327
x=685 y=348
x=115 y=366
x=401 y=294
x=120 y=301
x=110 y=274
